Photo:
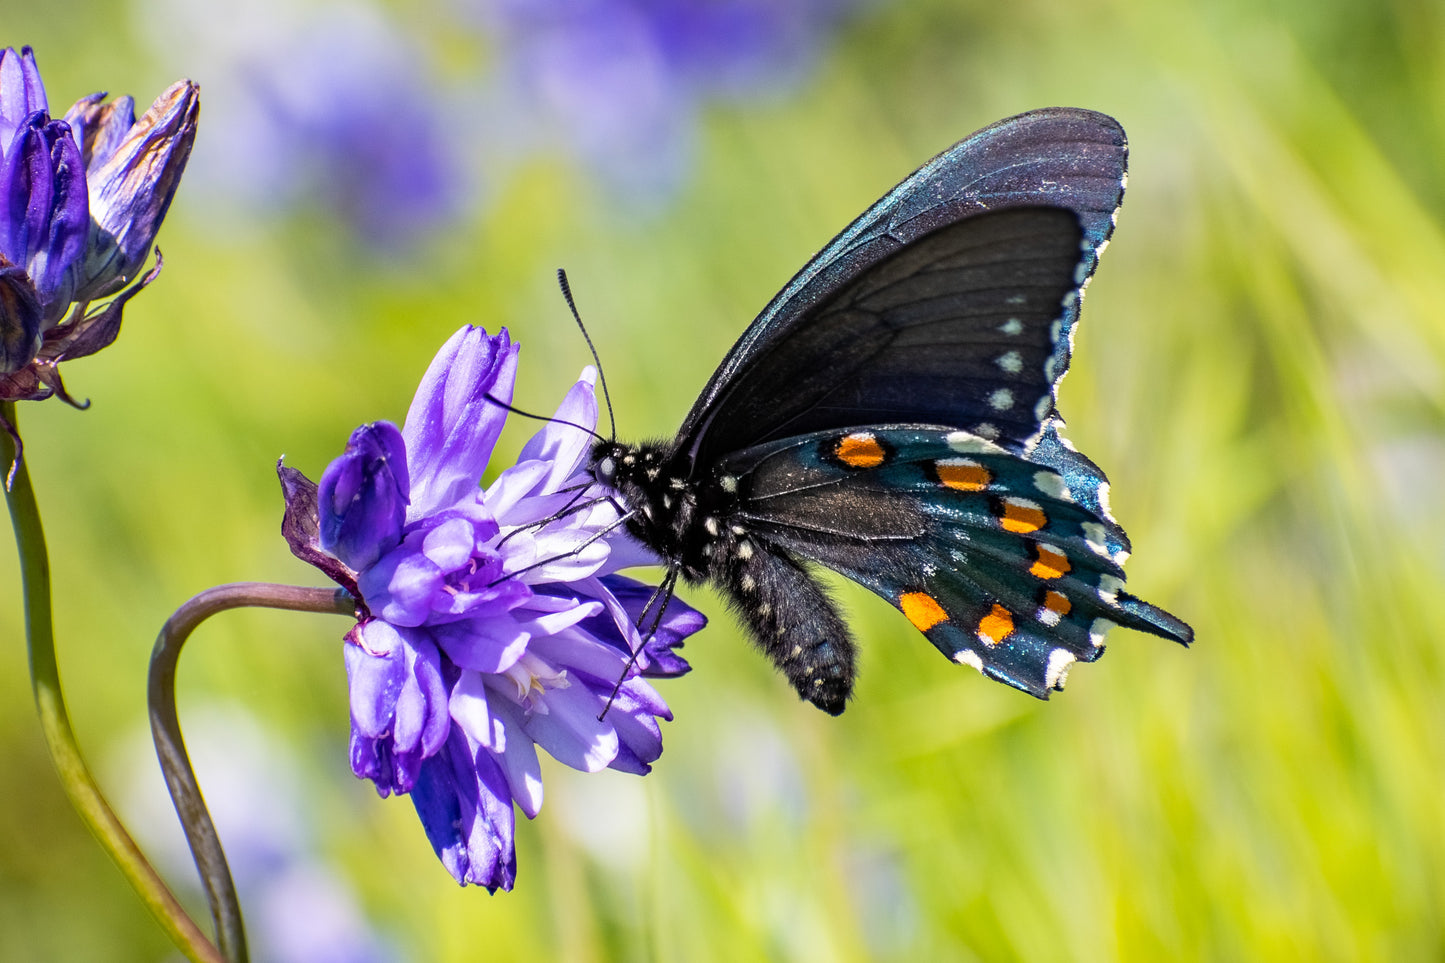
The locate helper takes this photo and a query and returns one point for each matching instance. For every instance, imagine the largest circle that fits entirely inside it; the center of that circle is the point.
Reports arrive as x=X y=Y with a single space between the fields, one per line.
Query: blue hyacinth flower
x=494 y=622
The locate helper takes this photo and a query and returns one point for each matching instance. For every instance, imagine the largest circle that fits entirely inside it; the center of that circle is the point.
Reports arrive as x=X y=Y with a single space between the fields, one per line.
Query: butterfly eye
x=607 y=469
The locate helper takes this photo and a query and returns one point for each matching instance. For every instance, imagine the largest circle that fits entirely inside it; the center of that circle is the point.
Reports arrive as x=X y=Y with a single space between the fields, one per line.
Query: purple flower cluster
x=81 y=200
x=493 y=620
x=341 y=107
x=332 y=108
x=619 y=83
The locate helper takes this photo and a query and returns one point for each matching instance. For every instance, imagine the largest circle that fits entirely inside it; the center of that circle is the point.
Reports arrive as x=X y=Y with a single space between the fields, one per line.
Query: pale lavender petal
x=450 y=544
x=569 y=729
x=400 y=587
x=483 y=644
x=375 y=676
x=452 y=426
x=561 y=445
x=469 y=709
x=422 y=707
x=518 y=757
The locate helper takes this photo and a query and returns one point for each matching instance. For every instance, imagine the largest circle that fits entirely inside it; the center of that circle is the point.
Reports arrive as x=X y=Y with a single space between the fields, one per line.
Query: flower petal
x=569 y=729
x=21 y=92
x=131 y=186
x=452 y=426
x=519 y=761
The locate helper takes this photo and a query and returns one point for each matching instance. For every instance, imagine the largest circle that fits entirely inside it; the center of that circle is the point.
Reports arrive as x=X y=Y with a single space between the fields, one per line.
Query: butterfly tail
x=1154 y=620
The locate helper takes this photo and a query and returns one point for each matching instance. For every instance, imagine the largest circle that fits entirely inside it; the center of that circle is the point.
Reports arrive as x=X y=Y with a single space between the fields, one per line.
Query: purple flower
x=493 y=620
x=334 y=109
x=81 y=200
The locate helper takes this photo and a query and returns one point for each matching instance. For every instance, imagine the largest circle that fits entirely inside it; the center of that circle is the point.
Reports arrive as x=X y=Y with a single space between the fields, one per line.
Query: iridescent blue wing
x=951 y=301
x=1008 y=563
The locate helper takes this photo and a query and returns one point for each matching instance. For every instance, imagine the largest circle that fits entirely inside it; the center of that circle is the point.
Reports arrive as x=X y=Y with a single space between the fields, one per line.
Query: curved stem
x=171 y=750
x=79 y=784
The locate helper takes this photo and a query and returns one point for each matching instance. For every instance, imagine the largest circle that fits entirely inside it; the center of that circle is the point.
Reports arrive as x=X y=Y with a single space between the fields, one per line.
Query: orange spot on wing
x=1055 y=602
x=1022 y=516
x=996 y=626
x=860 y=451
x=1051 y=564
x=922 y=610
x=964 y=475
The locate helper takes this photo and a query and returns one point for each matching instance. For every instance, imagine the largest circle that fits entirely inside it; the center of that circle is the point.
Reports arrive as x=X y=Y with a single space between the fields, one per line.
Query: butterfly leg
x=795 y=623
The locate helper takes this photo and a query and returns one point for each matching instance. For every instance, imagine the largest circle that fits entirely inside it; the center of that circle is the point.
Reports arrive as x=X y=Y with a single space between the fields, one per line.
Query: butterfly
x=891 y=415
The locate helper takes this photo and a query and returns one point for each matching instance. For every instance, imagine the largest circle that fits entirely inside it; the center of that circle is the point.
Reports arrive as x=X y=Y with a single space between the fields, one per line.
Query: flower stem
x=75 y=777
x=171 y=750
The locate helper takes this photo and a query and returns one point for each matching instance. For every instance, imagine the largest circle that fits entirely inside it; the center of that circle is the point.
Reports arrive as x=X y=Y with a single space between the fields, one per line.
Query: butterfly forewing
x=963 y=327
x=1070 y=160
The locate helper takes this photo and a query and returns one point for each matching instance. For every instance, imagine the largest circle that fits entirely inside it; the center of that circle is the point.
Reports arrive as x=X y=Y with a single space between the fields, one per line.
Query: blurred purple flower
x=331 y=109
x=494 y=622
x=81 y=200
x=618 y=82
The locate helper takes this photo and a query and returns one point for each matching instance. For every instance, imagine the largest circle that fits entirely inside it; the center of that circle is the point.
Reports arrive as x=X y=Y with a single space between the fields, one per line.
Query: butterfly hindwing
x=990 y=554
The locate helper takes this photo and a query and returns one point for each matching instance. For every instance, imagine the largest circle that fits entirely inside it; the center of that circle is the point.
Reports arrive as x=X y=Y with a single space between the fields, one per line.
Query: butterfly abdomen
x=792 y=619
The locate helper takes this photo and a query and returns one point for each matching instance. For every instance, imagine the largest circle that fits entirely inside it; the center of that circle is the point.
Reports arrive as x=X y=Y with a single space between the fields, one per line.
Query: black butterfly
x=891 y=415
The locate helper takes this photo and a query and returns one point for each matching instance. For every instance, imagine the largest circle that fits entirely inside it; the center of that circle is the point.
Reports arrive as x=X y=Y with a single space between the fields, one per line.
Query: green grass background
x=1259 y=370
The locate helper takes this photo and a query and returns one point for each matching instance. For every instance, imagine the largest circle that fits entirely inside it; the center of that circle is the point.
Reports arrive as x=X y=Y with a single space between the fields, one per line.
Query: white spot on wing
x=1053 y=485
x=985 y=430
x=1001 y=399
x=968 y=443
x=1109 y=587
x=1058 y=670
x=1048 y=616
x=1010 y=362
x=1096 y=537
x=1043 y=406
x=969 y=657
x=1104 y=500
x=1097 y=631
x=1012 y=327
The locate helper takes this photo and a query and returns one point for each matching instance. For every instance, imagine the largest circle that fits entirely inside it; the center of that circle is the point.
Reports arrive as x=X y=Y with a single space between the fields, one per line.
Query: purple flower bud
x=21 y=92
x=133 y=170
x=363 y=496
x=44 y=213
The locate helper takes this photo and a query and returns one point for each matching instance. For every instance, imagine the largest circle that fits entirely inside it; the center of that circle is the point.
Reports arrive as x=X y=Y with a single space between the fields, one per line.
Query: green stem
x=79 y=784
x=171 y=750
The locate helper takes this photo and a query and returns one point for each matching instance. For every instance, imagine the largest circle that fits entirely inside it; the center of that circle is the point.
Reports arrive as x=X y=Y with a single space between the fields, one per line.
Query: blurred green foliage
x=1261 y=370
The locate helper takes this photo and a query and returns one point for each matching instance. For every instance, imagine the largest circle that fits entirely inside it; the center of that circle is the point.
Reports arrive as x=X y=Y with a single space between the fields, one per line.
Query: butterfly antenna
x=527 y=414
x=602 y=375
